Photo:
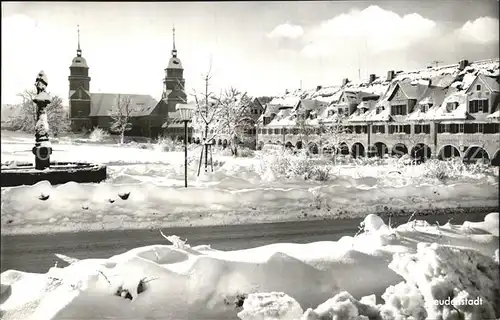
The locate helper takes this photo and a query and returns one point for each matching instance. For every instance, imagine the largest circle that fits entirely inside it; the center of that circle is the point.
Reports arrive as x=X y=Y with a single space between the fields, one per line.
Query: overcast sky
x=261 y=47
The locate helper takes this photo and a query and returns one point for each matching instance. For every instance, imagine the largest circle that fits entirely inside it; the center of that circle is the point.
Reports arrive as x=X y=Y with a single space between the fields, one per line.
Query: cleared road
x=35 y=253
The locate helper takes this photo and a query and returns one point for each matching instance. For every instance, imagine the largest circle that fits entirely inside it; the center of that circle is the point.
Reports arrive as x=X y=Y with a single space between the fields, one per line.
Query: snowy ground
x=240 y=190
x=412 y=268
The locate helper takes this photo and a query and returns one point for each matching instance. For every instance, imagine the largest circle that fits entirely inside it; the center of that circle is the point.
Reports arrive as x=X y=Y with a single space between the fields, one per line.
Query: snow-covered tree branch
x=23 y=117
x=120 y=115
x=235 y=117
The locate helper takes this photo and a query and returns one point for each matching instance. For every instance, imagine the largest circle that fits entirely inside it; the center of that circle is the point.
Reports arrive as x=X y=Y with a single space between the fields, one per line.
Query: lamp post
x=186 y=112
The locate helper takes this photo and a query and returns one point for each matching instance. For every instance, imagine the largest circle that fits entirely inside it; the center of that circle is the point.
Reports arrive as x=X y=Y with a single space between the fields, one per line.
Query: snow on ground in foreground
x=409 y=267
x=240 y=190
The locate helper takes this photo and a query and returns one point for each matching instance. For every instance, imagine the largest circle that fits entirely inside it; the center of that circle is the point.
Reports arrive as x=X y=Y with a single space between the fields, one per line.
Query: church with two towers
x=148 y=116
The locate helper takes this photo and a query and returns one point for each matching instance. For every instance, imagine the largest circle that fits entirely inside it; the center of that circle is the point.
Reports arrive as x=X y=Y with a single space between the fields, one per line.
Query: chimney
x=318 y=88
x=372 y=77
x=462 y=64
x=344 y=82
x=390 y=75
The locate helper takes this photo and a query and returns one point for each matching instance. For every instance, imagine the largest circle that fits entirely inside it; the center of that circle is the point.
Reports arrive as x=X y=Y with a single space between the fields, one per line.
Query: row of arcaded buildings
x=447 y=111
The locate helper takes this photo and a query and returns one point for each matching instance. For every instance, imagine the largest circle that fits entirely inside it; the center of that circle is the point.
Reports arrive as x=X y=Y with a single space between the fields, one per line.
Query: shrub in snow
x=283 y=163
x=452 y=168
x=270 y=306
x=437 y=170
x=98 y=135
x=166 y=144
x=321 y=173
x=452 y=277
x=246 y=153
x=342 y=306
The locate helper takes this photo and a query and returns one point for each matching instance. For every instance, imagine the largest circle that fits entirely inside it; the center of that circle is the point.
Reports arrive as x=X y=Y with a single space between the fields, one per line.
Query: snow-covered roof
x=494 y=115
x=442 y=113
x=435 y=85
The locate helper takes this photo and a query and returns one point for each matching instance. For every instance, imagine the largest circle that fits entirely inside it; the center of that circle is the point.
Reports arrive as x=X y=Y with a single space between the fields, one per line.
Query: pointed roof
x=79 y=61
x=174 y=62
x=491 y=82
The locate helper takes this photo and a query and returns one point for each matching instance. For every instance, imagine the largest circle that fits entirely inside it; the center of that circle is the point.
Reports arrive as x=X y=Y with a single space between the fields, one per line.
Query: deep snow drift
x=410 y=267
x=146 y=190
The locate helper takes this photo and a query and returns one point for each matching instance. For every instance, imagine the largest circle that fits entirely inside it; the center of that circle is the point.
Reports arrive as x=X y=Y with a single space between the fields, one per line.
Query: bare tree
x=206 y=113
x=332 y=133
x=234 y=117
x=306 y=130
x=24 y=114
x=120 y=115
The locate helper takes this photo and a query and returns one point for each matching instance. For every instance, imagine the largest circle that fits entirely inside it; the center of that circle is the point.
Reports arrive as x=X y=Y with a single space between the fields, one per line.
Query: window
x=264 y=131
x=295 y=131
x=478 y=87
x=453 y=128
x=451 y=106
x=378 y=129
x=491 y=127
x=364 y=129
x=276 y=131
x=398 y=110
x=331 y=113
x=341 y=110
x=474 y=128
x=425 y=107
x=418 y=128
x=260 y=131
x=399 y=128
x=461 y=128
x=476 y=106
x=426 y=128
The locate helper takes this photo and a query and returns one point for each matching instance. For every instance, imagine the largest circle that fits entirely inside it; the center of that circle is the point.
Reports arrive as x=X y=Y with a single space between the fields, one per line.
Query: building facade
x=450 y=111
x=147 y=115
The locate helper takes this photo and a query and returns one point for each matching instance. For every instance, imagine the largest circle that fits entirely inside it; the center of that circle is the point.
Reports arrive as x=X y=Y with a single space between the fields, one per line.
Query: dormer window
x=331 y=113
x=451 y=106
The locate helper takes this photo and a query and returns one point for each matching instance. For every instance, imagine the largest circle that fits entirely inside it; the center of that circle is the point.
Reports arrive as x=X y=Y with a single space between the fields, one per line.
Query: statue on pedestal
x=42 y=149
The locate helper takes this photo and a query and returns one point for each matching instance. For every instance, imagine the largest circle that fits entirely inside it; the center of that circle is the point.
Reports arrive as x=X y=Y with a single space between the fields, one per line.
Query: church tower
x=79 y=95
x=173 y=83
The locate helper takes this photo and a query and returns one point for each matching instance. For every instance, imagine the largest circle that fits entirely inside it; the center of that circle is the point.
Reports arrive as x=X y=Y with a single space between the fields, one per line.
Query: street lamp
x=186 y=111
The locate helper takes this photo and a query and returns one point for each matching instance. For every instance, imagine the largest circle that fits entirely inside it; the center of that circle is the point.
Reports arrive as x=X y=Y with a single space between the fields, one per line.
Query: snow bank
x=490 y=224
x=180 y=281
x=444 y=273
x=270 y=306
x=147 y=190
x=441 y=281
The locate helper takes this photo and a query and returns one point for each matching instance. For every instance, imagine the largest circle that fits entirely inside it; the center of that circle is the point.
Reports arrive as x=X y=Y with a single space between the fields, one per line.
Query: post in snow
x=42 y=149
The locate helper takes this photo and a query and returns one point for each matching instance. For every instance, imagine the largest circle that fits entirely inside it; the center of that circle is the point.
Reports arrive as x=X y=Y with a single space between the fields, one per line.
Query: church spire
x=174 y=51
x=78 y=51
